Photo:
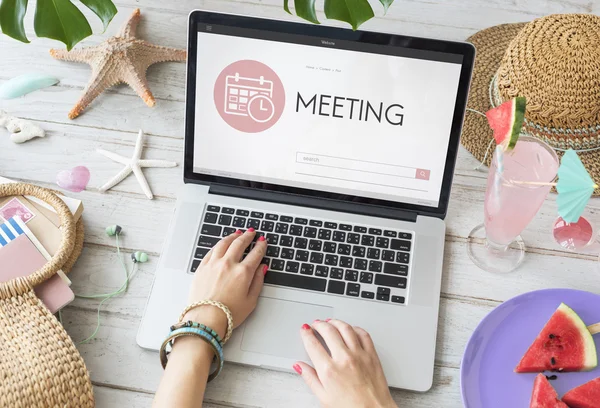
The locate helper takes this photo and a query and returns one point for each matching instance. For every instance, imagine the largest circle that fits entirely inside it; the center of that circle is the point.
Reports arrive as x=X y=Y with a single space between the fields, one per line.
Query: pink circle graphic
x=249 y=96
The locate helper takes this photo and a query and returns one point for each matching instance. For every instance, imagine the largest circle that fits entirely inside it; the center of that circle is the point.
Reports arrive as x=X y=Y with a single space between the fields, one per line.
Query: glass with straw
x=518 y=183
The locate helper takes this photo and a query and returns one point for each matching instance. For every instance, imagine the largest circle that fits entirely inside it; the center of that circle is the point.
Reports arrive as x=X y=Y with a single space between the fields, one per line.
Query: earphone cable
x=106 y=296
x=125 y=285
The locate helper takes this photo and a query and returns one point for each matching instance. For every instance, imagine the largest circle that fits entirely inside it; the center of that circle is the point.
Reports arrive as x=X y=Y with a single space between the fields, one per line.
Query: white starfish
x=134 y=164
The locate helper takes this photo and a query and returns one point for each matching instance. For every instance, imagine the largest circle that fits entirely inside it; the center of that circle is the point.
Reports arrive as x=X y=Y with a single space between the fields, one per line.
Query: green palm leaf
x=353 y=12
x=57 y=19
x=386 y=4
x=12 y=13
x=104 y=9
x=62 y=21
x=304 y=9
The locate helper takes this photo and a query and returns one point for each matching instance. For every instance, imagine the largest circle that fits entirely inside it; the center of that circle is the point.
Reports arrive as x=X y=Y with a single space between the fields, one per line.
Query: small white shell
x=21 y=130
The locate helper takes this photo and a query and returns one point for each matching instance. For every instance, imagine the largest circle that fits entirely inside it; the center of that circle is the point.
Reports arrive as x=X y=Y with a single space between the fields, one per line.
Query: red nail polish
x=265 y=269
x=238 y=232
x=316 y=321
x=261 y=238
x=306 y=326
x=327 y=320
x=297 y=368
x=250 y=229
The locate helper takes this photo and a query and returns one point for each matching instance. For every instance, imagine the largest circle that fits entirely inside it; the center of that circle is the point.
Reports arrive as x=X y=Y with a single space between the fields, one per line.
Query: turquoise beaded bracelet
x=201 y=326
x=193 y=331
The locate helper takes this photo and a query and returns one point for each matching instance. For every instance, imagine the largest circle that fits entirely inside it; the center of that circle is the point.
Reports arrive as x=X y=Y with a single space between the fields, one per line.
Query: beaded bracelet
x=214 y=303
x=191 y=331
x=200 y=326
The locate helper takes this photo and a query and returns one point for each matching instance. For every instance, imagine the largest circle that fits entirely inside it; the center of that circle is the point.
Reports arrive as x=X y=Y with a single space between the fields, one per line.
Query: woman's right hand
x=352 y=376
x=225 y=277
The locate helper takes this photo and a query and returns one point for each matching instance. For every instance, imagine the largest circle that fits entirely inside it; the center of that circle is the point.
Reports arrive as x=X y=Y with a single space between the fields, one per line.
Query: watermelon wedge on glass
x=544 y=395
x=584 y=396
x=564 y=344
x=506 y=121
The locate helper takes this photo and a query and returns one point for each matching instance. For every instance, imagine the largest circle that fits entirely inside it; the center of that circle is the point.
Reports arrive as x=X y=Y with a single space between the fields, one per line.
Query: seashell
x=24 y=84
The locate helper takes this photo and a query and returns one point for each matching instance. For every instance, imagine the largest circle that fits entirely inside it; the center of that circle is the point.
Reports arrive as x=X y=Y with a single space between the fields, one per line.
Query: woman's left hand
x=351 y=375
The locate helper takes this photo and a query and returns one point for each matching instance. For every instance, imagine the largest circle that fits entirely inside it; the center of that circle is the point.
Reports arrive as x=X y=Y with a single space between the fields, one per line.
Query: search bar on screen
x=381 y=169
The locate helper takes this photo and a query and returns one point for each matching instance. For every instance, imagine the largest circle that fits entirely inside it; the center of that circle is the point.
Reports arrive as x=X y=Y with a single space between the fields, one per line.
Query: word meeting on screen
x=351 y=108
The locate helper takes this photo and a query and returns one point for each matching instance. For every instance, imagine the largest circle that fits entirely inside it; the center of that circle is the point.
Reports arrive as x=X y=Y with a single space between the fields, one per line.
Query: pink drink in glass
x=509 y=204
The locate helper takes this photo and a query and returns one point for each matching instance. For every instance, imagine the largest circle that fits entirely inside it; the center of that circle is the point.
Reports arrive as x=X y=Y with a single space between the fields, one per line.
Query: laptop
x=339 y=147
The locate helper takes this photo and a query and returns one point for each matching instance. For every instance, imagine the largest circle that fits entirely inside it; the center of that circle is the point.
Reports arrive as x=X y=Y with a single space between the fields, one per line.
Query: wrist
x=384 y=401
x=192 y=352
x=390 y=404
x=209 y=316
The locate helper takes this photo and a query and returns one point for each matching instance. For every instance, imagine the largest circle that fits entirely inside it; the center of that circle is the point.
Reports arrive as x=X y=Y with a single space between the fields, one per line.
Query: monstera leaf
x=63 y=21
x=57 y=19
x=353 y=12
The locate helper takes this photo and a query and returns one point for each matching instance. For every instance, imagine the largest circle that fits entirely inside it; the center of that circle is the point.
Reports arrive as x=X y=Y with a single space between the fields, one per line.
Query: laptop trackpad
x=274 y=327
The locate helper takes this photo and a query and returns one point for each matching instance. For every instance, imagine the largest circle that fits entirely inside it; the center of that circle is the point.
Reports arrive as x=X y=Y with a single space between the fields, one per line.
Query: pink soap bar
x=75 y=179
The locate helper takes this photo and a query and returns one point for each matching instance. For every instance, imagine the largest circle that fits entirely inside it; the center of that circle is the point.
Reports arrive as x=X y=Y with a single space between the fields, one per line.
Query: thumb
x=310 y=377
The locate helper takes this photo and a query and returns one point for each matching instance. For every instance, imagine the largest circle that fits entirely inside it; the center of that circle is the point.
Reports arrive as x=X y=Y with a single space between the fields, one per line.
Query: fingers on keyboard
x=240 y=243
x=223 y=246
x=256 y=255
x=339 y=259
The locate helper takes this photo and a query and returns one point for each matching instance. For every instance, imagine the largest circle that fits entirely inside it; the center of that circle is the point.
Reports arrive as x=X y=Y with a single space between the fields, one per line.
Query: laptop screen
x=338 y=116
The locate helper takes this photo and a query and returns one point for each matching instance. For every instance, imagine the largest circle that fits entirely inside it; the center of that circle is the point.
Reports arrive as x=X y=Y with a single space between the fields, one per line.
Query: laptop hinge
x=313 y=202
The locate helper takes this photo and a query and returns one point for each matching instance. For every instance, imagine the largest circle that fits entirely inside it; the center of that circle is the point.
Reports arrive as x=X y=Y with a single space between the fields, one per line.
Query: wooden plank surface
x=125 y=375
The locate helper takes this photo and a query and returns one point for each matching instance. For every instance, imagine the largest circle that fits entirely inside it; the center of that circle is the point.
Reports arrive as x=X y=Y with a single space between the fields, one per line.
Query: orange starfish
x=120 y=59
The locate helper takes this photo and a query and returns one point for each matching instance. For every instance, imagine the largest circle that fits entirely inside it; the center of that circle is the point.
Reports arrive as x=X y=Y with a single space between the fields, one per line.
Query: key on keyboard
x=340 y=259
x=296 y=281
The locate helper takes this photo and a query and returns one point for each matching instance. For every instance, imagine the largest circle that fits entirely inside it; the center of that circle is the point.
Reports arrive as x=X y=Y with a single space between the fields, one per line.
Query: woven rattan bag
x=39 y=364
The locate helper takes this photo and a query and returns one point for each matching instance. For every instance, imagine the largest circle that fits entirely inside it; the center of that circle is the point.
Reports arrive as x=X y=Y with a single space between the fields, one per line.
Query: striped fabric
x=10 y=230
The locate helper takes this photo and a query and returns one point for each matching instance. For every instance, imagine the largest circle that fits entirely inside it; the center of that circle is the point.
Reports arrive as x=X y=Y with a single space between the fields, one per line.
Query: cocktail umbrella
x=574 y=186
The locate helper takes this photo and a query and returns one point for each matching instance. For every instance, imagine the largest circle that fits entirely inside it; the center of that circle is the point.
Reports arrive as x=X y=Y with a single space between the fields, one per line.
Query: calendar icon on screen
x=251 y=97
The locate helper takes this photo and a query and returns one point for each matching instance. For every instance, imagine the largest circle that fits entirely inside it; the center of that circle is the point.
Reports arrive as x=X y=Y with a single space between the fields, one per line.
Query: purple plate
x=487 y=376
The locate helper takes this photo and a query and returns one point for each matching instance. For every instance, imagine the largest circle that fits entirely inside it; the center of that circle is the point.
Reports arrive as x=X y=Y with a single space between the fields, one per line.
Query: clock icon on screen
x=261 y=108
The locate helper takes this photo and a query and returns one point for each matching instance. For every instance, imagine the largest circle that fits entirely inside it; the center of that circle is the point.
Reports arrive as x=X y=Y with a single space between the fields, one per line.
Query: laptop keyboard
x=342 y=259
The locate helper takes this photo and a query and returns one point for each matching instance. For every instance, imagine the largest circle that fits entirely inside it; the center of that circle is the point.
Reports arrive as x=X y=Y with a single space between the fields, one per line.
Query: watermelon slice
x=584 y=396
x=544 y=395
x=506 y=121
x=565 y=344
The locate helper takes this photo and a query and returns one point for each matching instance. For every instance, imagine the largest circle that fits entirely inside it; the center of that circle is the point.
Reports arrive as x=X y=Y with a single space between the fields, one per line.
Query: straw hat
x=554 y=62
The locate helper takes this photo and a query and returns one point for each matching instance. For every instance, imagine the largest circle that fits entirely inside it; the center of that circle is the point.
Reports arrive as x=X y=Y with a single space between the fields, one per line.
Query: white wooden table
x=123 y=374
